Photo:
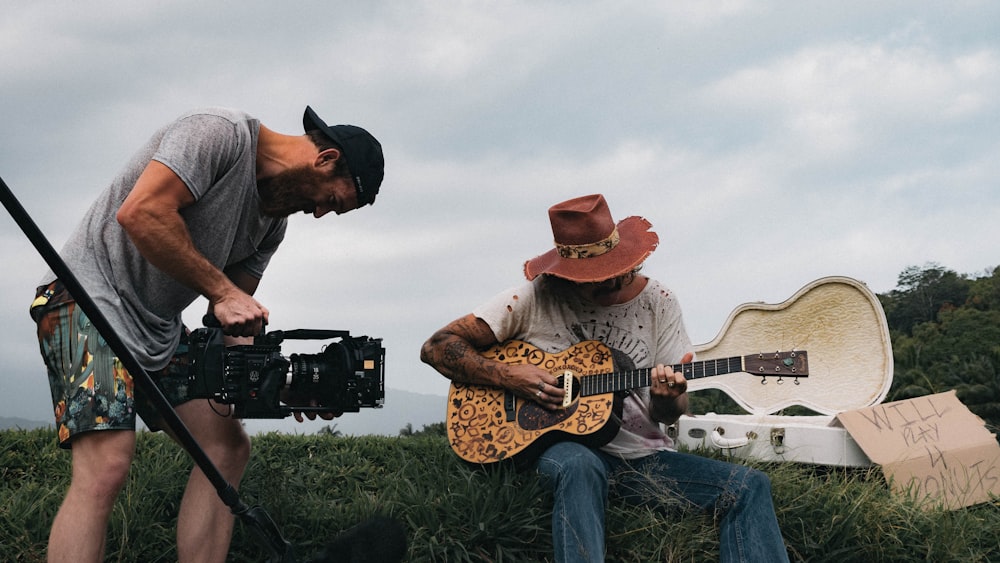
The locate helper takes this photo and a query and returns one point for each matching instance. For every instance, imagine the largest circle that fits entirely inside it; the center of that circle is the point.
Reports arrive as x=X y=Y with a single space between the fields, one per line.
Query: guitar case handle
x=728 y=443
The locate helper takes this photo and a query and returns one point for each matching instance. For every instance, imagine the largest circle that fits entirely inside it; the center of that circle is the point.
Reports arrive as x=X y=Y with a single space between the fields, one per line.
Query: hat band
x=589 y=250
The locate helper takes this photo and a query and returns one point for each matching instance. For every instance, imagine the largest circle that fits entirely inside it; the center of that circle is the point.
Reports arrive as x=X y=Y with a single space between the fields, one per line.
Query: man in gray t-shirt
x=198 y=211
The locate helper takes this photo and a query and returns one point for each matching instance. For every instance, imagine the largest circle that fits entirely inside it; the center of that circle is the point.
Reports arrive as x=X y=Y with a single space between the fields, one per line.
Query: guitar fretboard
x=602 y=383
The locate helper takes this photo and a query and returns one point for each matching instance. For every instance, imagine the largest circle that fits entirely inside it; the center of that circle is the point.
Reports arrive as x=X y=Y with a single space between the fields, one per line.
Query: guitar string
x=599 y=384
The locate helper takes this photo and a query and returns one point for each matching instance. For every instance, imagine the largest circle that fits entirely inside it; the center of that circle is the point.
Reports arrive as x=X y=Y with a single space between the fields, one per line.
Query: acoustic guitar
x=488 y=425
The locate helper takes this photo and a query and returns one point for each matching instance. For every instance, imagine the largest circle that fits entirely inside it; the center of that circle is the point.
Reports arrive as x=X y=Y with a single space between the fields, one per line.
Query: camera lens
x=319 y=375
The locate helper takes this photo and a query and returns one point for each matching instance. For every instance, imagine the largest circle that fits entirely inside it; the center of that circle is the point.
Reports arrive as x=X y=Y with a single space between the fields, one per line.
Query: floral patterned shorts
x=91 y=389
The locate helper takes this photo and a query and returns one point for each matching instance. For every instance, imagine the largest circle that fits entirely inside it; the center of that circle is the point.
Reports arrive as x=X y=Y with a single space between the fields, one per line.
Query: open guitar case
x=840 y=323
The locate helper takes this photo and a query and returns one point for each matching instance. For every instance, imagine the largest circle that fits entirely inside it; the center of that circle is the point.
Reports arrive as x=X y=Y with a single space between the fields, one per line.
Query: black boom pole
x=254 y=517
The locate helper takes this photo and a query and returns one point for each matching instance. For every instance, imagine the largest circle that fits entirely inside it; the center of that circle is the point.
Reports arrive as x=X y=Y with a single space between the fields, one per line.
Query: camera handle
x=211 y=321
x=254 y=517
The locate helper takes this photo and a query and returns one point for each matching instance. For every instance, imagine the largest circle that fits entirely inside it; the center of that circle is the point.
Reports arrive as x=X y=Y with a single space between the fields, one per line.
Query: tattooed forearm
x=454 y=352
x=455 y=356
x=457 y=360
x=497 y=372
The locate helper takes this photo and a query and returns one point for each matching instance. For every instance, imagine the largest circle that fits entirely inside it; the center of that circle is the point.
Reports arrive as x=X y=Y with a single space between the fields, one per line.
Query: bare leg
x=205 y=523
x=100 y=466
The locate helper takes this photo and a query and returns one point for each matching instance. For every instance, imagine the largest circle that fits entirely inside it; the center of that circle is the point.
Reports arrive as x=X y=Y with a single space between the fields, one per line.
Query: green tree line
x=945 y=331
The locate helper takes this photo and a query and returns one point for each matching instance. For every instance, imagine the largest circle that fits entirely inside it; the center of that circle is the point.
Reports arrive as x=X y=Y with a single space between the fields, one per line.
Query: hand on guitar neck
x=535 y=384
x=667 y=392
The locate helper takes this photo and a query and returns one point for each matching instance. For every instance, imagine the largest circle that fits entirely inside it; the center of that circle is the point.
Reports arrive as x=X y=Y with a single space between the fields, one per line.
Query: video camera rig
x=259 y=382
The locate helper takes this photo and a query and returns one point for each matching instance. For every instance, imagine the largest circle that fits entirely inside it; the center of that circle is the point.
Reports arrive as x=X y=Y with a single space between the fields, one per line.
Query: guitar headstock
x=785 y=364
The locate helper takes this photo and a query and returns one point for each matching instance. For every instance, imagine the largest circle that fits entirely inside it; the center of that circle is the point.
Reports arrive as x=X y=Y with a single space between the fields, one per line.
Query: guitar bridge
x=567 y=389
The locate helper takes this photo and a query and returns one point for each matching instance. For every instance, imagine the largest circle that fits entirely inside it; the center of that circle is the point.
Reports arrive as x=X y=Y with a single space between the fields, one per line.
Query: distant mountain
x=7 y=423
x=401 y=408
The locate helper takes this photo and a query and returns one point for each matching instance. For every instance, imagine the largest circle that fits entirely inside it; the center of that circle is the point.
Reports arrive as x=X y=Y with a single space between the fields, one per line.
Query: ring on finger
x=541 y=386
x=538 y=393
x=671 y=384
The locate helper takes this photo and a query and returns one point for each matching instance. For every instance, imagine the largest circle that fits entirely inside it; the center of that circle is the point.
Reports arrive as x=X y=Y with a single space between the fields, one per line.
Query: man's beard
x=608 y=287
x=281 y=195
x=606 y=290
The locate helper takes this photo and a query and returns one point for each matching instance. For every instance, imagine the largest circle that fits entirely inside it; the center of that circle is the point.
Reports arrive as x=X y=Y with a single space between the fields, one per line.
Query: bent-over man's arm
x=151 y=217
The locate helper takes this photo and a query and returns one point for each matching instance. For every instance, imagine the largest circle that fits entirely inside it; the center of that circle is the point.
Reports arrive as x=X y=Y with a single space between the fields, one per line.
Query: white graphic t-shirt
x=645 y=331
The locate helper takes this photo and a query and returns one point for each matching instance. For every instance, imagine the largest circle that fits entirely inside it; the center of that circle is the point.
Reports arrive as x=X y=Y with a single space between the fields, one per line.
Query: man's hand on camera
x=293 y=400
x=240 y=314
x=312 y=415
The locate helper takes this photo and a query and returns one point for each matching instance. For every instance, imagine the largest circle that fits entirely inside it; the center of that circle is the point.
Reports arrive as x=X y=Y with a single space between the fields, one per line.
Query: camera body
x=256 y=379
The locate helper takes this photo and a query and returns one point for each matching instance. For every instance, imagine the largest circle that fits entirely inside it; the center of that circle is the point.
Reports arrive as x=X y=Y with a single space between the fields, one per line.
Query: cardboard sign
x=930 y=447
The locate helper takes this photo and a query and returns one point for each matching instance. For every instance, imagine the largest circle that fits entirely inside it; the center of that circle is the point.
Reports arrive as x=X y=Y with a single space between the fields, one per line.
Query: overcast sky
x=769 y=143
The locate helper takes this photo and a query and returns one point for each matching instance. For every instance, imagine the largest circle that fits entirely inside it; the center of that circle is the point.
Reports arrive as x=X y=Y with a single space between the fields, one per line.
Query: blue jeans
x=737 y=496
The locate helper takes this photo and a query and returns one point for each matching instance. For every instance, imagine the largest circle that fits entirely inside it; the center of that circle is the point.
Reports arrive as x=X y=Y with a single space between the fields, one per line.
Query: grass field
x=314 y=486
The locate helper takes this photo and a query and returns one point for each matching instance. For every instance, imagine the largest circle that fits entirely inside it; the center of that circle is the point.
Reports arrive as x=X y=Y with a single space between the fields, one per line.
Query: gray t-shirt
x=648 y=330
x=214 y=152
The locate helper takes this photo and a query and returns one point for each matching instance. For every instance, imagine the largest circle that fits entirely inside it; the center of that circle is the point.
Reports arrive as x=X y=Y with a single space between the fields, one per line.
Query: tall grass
x=314 y=486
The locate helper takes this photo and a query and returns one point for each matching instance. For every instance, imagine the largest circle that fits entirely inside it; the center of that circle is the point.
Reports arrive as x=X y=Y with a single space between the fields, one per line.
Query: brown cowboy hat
x=590 y=247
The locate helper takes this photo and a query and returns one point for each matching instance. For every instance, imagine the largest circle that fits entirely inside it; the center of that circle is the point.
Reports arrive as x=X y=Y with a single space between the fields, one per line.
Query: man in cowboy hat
x=589 y=288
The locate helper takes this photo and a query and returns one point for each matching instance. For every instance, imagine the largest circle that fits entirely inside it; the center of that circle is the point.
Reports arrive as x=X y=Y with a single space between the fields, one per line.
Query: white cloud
x=835 y=100
x=769 y=143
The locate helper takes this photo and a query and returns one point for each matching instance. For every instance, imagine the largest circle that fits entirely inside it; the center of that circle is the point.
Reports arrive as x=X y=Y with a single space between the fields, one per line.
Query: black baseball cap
x=362 y=151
